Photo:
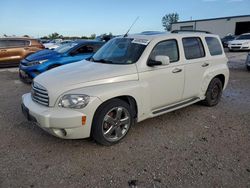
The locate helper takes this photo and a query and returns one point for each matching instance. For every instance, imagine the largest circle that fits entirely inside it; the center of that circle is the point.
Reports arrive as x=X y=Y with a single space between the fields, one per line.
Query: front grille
x=39 y=94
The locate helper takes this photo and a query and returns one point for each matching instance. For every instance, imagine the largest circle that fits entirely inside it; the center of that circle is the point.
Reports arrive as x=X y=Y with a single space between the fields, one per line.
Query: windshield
x=228 y=37
x=243 y=37
x=120 y=51
x=65 y=47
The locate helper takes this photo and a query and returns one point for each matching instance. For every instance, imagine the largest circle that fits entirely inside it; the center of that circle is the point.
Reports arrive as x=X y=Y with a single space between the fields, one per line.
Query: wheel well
x=129 y=100
x=222 y=79
x=132 y=103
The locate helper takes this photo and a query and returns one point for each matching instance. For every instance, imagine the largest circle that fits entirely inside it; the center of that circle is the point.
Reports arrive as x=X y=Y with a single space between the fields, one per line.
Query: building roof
x=229 y=17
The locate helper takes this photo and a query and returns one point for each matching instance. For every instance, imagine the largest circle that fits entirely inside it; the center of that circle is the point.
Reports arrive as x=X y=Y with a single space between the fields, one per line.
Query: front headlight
x=245 y=43
x=74 y=101
x=32 y=63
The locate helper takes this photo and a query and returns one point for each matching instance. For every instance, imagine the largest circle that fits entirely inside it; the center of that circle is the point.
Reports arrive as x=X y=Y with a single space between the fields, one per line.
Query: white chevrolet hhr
x=128 y=80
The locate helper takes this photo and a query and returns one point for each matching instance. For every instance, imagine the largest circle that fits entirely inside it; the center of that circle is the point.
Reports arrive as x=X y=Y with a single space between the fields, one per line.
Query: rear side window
x=193 y=48
x=213 y=46
x=14 y=43
x=167 y=48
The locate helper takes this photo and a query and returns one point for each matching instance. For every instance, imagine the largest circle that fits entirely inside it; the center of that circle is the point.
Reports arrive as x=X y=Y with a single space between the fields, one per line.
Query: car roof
x=17 y=38
x=79 y=41
x=159 y=35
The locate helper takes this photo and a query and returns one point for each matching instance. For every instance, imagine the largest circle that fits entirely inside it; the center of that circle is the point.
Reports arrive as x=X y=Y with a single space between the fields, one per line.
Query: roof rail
x=190 y=31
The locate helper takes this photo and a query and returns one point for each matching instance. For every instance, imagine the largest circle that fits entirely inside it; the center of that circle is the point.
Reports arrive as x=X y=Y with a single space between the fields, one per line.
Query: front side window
x=193 y=48
x=213 y=46
x=166 y=48
x=84 y=49
x=120 y=51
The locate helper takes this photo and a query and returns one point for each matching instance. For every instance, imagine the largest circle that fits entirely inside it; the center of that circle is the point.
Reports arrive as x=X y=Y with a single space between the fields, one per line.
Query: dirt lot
x=193 y=147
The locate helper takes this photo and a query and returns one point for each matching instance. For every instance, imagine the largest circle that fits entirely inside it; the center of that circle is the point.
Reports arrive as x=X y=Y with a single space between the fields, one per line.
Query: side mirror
x=159 y=60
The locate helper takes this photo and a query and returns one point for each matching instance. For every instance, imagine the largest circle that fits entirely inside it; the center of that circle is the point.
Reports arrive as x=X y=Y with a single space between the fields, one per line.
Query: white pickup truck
x=128 y=80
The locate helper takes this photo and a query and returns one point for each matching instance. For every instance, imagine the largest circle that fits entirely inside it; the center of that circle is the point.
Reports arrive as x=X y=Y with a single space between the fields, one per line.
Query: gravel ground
x=193 y=147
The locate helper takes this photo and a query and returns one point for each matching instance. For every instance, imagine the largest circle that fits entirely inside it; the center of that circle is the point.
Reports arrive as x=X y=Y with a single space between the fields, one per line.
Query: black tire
x=213 y=93
x=248 y=68
x=99 y=123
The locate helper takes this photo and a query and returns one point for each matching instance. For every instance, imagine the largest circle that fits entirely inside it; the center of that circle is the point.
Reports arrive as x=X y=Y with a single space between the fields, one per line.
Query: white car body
x=156 y=90
x=240 y=44
x=51 y=46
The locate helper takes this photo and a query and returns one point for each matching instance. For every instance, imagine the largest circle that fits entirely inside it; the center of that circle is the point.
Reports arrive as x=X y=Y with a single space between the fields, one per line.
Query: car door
x=165 y=82
x=196 y=64
x=15 y=50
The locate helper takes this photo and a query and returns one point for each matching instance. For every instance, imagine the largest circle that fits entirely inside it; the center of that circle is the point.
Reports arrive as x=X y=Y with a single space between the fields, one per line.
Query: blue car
x=44 y=60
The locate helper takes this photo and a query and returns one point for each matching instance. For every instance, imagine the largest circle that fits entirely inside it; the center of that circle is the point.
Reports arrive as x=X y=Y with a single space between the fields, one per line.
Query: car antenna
x=131 y=27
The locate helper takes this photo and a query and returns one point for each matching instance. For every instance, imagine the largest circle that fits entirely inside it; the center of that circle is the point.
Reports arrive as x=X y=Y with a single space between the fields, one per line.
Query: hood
x=83 y=74
x=42 y=54
x=238 y=41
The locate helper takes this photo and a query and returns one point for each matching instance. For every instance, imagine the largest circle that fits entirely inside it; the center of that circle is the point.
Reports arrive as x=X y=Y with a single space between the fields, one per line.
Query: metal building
x=234 y=25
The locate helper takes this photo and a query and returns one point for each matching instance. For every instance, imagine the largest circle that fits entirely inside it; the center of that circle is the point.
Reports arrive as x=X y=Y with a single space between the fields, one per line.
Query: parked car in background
x=12 y=50
x=128 y=80
x=241 y=42
x=53 y=44
x=227 y=39
x=46 y=59
x=248 y=62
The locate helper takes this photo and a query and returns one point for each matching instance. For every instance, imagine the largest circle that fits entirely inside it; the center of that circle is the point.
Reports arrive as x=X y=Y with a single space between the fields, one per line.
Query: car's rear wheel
x=111 y=122
x=214 y=92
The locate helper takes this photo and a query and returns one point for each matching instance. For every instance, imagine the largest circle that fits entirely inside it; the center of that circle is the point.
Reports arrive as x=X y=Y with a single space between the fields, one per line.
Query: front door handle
x=205 y=64
x=176 y=70
x=3 y=50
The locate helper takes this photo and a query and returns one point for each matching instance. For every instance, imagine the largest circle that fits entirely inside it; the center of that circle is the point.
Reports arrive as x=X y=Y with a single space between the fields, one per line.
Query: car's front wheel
x=214 y=92
x=111 y=122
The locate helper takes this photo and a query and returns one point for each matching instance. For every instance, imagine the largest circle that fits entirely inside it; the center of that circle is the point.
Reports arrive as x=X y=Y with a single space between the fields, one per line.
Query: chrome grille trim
x=39 y=94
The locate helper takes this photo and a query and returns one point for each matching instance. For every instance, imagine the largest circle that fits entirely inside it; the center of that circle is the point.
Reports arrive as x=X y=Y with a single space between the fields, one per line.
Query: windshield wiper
x=102 y=61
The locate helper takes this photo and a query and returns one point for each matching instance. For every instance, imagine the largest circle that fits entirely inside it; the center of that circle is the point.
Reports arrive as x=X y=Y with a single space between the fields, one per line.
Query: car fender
x=213 y=71
x=109 y=91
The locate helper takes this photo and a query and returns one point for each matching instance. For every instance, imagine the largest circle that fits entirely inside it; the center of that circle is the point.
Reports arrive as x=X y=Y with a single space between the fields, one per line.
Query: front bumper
x=27 y=73
x=60 y=122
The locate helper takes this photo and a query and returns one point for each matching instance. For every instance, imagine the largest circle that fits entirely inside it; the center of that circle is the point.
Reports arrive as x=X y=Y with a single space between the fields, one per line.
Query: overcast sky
x=79 y=17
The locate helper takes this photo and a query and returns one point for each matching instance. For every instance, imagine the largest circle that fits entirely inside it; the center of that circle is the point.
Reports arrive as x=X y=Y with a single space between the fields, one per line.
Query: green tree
x=54 y=36
x=93 y=36
x=168 y=20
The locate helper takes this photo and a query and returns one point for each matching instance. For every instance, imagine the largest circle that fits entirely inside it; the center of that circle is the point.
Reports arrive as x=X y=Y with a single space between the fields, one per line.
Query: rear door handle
x=205 y=64
x=3 y=50
x=26 y=48
x=176 y=70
